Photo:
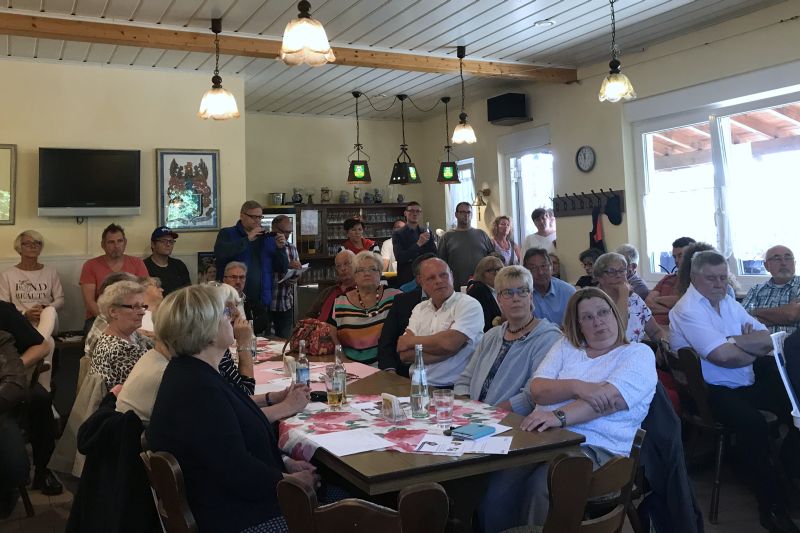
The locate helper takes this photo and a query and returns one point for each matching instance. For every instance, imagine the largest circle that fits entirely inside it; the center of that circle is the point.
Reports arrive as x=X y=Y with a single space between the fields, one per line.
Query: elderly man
x=734 y=349
x=545 y=235
x=776 y=303
x=344 y=263
x=172 y=272
x=95 y=270
x=463 y=246
x=235 y=275
x=664 y=295
x=282 y=306
x=550 y=295
x=638 y=285
x=410 y=242
x=448 y=326
x=248 y=243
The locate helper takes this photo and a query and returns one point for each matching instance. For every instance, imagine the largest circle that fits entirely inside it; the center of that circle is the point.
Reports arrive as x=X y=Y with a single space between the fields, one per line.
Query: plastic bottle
x=303 y=370
x=419 y=386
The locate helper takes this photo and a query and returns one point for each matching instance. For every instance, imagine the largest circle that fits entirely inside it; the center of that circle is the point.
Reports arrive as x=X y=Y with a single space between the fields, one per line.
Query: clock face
x=585 y=158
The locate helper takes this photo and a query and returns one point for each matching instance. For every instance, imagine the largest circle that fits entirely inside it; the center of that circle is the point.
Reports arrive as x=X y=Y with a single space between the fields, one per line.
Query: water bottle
x=303 y=370
x=419 y=386
x=339 y=377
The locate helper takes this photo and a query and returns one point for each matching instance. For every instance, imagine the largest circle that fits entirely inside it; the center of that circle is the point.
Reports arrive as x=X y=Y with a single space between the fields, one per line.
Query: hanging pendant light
x=305 y=40
x=616 y=86
x=403 y=172
x=448 y=170
x=463 y=132
x=359 y=169
x=217 y=103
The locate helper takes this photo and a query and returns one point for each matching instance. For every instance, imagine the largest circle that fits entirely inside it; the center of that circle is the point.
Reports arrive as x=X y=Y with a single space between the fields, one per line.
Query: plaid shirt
x=283 y=294
x=767 y=295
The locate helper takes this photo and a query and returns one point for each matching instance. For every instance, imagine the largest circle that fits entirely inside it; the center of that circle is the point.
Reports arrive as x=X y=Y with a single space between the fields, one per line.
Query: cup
x=333 y=387
x=443 y=403
x=289 y=367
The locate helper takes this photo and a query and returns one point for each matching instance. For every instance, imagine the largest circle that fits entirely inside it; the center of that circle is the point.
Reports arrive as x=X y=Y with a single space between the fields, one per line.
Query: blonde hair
x=484 y=265
x=188 y=320
x=496 y=224
x=33 y=234
x=572 y=328
x=369 y=256
x=510 y=274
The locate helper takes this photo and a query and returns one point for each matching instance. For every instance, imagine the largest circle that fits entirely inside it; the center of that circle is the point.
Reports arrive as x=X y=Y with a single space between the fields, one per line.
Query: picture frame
x=8 y=182
x=188 y=203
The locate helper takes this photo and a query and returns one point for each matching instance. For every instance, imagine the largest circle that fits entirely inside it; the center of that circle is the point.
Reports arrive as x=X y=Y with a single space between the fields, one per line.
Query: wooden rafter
x=741 y=123
x=172 y=39
x=674 y=142
x=785 y=115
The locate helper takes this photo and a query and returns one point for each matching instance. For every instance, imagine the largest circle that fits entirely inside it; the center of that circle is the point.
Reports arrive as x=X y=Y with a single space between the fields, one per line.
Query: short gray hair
x=604 y=261
x=188 y=320
x=510 y=274
x=230 y=294
x=116 y=294
x=708 y=257
x=369 y=256
x=630 y=252
x=250 y=204
x=234 y=264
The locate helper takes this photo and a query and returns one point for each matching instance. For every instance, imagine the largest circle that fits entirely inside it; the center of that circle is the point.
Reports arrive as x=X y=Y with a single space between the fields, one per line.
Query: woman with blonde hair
x=503 y=244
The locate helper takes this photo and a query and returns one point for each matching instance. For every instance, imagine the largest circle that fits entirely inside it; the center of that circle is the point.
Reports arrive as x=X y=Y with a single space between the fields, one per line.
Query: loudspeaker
x=507 y=109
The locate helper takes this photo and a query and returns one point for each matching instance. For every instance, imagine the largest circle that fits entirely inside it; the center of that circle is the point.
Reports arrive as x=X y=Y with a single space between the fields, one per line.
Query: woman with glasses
x=358 y=315
x=356 y=242
x=611 y=271
x=481 y=287
x=587 y=259
x=503 y=244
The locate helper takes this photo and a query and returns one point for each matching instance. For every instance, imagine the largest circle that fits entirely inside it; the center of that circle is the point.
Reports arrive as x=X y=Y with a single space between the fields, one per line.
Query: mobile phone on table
x=319 y=396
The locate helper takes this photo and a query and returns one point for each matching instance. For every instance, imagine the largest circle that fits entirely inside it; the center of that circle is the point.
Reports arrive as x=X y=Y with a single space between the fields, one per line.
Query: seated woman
x=507 y=355
x=555 y=261
x=610 y=271
x=100 y=323
x=226 y=447
x=356 y=242
x=503 y=244
x=481 y=287
x=153 y=295
x=587 y=259
x=344 y=265
x=358 y=315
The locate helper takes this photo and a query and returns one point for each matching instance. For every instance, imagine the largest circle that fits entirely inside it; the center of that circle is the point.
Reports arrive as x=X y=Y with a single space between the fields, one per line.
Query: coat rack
x=572 y=205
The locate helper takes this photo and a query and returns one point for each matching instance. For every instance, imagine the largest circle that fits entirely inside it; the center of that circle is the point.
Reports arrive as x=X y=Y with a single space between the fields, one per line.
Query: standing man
x=638 y=285
x=172 y=272
x=545 y=236
x=776 y=303
x=462 y=247
x=550 y=295
x=248 y=243
x=94 y=271
x=282 y=306
x=664 y=295
x=410 y=242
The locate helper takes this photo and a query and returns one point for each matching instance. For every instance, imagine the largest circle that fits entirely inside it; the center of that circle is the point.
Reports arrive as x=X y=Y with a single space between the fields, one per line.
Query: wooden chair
x=166 y=480
x=422 y=508
x=26 y=500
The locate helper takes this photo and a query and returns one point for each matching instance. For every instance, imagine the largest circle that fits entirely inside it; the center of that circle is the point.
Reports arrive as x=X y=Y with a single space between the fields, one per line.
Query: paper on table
x=293 y=273
x=491 y=445
x=440 y=445
x=343 y=443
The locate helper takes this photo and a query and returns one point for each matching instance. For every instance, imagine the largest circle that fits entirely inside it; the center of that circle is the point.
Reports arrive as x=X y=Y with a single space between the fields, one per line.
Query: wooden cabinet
x=320 y=232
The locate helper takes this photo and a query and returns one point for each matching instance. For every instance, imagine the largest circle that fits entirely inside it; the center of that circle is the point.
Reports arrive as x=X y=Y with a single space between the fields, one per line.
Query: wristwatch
x=562 y=417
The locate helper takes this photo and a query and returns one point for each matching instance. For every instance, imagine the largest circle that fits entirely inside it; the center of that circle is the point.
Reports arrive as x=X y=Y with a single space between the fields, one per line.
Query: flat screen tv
x=76 y=182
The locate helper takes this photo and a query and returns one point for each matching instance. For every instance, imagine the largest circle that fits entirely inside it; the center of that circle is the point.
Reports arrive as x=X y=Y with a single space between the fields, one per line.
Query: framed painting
x=8 y=180
x=188 y=189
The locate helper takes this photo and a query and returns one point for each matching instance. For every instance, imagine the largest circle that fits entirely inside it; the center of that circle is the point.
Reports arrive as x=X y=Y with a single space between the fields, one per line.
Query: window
x=532 y=186
x=461 y=192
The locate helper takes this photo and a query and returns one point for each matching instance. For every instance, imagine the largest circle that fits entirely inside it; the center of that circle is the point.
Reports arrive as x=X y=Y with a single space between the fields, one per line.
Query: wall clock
x=585 y=158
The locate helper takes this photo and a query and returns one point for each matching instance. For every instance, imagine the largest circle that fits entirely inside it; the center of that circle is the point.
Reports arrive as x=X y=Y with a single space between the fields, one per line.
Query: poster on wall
x=188 y=189
x=8 y=179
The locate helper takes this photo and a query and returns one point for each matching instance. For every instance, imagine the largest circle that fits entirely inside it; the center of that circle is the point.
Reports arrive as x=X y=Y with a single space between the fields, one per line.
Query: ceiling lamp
x=463 y=132
x=616 y=86
x=305 y=41
x=359 y=169
x=448 y=171
x=217 y=103
x=403 y=172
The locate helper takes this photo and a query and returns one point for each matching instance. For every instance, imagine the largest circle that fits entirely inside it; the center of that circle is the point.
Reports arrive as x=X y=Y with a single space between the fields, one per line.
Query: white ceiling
x=499 y=30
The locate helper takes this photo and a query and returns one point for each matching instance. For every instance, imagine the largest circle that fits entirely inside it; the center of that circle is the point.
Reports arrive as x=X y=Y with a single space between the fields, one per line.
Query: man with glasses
x=248 y=242
x=631 y=254
x=776 y=302
x=463 y=246
x=410 y=242
x=172 y=272
x=550 y=295
x=282 y=307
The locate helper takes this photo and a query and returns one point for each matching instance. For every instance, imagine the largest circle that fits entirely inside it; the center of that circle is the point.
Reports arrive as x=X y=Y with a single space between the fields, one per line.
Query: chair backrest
x=686 y=369
x=166 y=480
x=780 y=359
x=422 y=508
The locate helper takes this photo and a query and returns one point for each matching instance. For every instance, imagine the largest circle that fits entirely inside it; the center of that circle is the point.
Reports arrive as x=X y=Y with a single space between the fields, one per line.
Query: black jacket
x=404 y=243
x=395 y=325
x=481 y=292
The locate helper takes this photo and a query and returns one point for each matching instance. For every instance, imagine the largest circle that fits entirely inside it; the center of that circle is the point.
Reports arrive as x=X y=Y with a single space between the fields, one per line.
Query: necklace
x=370 y=311
x=515 y=331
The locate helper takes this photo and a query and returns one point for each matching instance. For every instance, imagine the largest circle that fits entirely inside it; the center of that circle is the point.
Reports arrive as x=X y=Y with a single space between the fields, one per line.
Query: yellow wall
x=60 y=105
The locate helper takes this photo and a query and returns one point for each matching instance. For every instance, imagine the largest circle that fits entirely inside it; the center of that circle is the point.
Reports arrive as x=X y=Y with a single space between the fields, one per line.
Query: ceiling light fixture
x=616 y=86
x=544 y=23
x=463 y=132
x=305 y=40
x=448 y=170
x=217 y=103
x=403 y=172
x=359 y=169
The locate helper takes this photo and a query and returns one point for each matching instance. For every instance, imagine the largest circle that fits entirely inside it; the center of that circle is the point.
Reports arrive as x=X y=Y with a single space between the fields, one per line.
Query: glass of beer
x=334 y=388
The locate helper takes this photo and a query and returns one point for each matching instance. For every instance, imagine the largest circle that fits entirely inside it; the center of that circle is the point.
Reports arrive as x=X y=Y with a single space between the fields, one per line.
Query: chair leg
x=26 y=500
x=633 y=518
x=712 y=517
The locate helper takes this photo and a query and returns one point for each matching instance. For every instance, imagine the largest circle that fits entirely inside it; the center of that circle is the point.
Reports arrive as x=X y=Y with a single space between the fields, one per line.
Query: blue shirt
x=553 y=304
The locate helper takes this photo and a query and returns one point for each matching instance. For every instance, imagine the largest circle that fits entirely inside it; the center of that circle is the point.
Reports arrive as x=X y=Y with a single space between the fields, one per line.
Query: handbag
x=316 y=334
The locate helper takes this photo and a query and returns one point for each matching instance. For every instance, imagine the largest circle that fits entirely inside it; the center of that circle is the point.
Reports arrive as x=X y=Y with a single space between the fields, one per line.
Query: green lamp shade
x=404 y=173
x=359 y=172
x=448 y=172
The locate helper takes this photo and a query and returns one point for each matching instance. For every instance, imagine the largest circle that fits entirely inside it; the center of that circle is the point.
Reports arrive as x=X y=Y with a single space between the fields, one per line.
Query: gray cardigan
x=521 y=361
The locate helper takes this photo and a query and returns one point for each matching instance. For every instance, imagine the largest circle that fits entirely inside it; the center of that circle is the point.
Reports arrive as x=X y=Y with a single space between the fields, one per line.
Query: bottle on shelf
x=303 y=370
x=419 y=385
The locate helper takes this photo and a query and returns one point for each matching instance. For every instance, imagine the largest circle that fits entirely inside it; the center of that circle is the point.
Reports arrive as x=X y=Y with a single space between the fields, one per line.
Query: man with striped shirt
x=776 y=303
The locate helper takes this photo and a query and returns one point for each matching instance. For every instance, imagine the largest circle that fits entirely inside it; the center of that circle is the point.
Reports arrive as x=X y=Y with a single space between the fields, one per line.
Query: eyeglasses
x=253 y=217
x=494 y=270
x=168 y=242
x=361 y=270
x=615 y=272
x=602 y=314
x=509 y=293
x=463 y=212
x=415 y=211
x=788 y=258
x=542 y=268
x=31 y=244
x=134 y=307
x=235 y=278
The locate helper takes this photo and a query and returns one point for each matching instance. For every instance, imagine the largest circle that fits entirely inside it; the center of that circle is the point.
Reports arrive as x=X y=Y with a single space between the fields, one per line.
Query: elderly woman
x=587 y=259
x=358 y=315
x=503 y=244
x=153 y=295
x=356 y=242
x=225 y=445
x=610 y=271
x=34 y=289
x=507 y=355
x=481 y=287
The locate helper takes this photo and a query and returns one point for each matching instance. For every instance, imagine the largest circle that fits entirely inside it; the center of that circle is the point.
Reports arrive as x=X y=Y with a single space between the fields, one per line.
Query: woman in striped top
x=358 y=315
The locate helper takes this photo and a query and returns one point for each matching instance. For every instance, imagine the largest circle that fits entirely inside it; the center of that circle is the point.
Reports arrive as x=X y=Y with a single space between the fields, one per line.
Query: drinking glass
x=443 y=403
x=333 y=388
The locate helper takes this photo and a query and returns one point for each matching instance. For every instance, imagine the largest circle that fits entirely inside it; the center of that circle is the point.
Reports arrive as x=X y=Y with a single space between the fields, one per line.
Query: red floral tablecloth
x=406 y=435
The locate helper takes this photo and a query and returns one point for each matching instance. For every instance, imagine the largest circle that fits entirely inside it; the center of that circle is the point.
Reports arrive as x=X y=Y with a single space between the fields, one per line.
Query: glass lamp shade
x=404 y=173
x=305 y=41
x=464 y=134
x=616 y=86
x=448 y=172
x=218 y=104
x=359 y=172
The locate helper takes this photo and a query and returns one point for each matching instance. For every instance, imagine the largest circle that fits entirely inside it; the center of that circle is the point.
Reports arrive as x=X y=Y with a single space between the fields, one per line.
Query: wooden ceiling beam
x=81 y=30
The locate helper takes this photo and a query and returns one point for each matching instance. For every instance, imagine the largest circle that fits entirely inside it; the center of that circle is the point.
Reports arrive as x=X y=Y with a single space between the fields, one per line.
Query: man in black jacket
x=410 y=242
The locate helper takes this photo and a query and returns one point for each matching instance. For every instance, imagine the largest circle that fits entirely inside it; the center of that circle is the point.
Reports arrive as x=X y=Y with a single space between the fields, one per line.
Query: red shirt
x=366 y=243
x=666 y=287
x=96 y=270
